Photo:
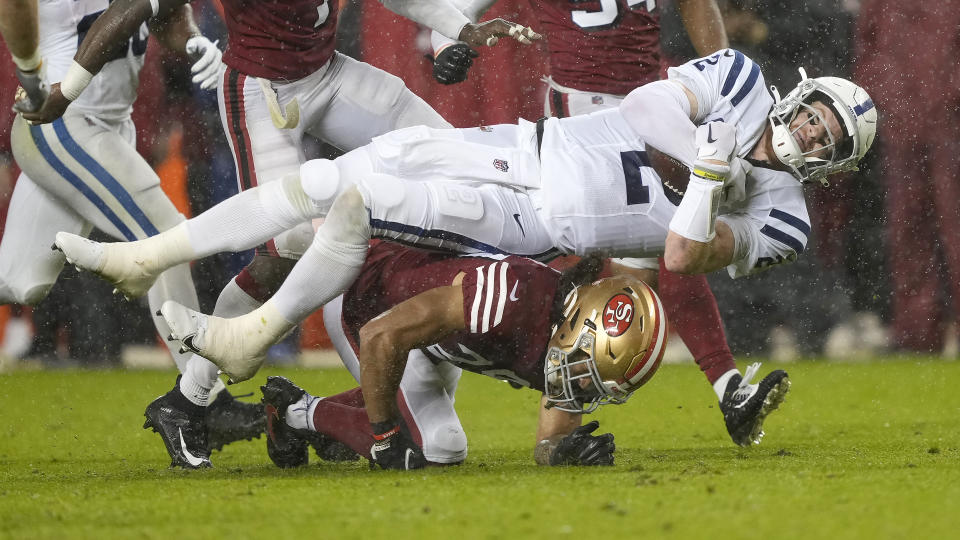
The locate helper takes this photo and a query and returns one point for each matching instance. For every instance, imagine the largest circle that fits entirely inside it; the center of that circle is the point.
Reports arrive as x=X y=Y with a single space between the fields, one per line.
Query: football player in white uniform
x=83 y=170
x=577 y=185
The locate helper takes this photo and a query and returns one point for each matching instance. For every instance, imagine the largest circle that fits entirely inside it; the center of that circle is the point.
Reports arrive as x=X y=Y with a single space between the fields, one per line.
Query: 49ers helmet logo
x=618 y=315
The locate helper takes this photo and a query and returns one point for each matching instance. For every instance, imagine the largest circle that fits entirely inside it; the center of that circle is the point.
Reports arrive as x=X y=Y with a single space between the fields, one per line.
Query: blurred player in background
x=83 y=170
x=591 y=184
x=423 y=316
x=282 y=79
x=598 y=52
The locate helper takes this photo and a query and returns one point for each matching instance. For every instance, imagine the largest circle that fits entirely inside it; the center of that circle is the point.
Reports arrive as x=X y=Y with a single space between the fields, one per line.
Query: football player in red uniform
x=598 y=52
x=281 y=79
x=581 y=342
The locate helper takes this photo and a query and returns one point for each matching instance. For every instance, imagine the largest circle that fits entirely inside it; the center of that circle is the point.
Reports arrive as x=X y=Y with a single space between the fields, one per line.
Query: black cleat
x=181 y=426
x=330 y=449
x=745 y=406
x=286 y=446
x=229 y=419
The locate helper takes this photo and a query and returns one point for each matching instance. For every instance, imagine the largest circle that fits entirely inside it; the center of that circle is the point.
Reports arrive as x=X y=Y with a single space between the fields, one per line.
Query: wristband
x=76 y=79
x=28 y=64
x=696 y=217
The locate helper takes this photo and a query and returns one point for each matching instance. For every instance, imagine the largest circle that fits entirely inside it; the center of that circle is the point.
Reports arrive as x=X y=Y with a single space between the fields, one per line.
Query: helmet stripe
x=659 y=340
x=863 y=107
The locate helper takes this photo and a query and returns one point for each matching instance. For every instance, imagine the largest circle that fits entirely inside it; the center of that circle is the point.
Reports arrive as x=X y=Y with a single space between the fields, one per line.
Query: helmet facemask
x=836 y=156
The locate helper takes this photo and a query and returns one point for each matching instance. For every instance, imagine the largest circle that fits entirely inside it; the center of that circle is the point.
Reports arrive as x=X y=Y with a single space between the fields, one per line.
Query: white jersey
x=63 y=25
x=599 y=192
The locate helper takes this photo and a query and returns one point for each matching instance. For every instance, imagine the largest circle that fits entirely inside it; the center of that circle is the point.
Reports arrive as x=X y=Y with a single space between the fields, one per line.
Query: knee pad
x=447 y=443
x=26 y=295
x=320 y=180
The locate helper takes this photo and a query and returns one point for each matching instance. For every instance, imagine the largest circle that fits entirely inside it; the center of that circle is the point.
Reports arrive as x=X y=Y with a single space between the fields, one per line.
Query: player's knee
x=25 y=294
x=447 y=443
x=320 y=180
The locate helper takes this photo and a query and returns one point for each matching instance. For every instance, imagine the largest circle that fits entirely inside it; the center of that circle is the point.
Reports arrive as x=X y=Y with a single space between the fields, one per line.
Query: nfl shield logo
x=501 y=165
x=597 y=100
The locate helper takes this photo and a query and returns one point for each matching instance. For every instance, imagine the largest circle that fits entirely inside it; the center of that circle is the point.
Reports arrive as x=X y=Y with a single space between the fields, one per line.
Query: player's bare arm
x=686 y=256
x=18 y=26
x=173 y=31
x=179 y=33
x=20 y=31
x=561 y=440
x=386 y=341
x=109 y=32
x=704 y=25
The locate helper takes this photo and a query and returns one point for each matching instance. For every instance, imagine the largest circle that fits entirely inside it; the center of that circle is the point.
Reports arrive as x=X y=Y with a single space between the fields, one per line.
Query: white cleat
x=119 y=263
x=237 y=352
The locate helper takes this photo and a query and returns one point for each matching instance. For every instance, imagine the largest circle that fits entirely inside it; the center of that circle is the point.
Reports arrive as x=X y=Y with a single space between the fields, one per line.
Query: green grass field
x=857 y=451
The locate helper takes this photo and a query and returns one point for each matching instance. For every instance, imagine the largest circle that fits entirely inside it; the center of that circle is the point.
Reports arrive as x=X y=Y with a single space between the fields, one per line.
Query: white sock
x=196 y=383
x=234 y=301
x=299 y=415
x=720 y=385
x=251 y=217
x=330 y=264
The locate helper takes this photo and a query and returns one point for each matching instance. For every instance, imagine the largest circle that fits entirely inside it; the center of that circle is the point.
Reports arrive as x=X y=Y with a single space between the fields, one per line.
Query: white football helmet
x=609 y=343
x=854 y=111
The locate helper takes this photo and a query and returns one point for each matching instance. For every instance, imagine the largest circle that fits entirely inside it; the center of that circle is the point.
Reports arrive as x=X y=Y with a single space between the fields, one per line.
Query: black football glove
x=393 y=449
x=453 y=62
x=582 y=448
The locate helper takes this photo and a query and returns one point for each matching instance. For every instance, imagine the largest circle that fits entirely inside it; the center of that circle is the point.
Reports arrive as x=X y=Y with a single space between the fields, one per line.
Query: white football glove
x=207 y=65
x=735 y=188
x=716 y=143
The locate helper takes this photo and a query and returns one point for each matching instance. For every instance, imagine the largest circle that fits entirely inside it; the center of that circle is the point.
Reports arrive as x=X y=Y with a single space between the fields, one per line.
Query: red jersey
x=607 y=46
x=506 y=305
x=279 y=40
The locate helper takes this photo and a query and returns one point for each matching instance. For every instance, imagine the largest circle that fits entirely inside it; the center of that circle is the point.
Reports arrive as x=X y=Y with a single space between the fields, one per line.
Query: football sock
x=720 y=385
x=352 y=398
x=349 y=425
x=181 y=402
x=692 y=310
x=331 y=263
x=251 y=218
x=196 y=383
x=299 y=415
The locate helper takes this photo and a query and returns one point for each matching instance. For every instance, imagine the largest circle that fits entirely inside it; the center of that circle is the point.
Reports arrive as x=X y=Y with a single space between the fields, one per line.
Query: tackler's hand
x=582 y=448
x=488 y=33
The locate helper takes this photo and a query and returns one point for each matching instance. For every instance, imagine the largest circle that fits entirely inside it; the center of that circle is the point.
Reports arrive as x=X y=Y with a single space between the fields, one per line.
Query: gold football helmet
x=608 y=344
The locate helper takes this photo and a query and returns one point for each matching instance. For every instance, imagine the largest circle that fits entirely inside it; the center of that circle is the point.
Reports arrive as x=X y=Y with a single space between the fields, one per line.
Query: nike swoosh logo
x=188 y=343
x=516 y=217
x=513 y=292
x=710 y=138
x=191 y=459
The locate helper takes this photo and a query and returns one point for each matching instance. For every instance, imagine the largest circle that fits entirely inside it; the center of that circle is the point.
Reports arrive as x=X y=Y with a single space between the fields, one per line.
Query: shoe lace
x=745 y=390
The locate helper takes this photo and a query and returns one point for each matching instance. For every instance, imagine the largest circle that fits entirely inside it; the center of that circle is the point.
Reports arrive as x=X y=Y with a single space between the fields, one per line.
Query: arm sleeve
x=662 y=103
x=473 y=10
x=769 y=234
x=440 y=15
